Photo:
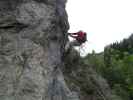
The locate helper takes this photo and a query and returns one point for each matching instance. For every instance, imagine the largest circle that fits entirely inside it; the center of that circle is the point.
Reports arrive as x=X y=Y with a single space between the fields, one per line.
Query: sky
x=105 y=21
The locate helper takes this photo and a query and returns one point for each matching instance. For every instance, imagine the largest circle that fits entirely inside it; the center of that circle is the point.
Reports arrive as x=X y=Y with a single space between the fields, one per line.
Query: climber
x=80 y=38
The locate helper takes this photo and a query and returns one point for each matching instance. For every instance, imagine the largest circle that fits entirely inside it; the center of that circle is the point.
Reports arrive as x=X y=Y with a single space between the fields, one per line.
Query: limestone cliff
x=32 y=39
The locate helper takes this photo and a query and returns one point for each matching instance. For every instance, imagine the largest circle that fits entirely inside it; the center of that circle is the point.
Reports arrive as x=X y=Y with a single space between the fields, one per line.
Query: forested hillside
x=116 y=65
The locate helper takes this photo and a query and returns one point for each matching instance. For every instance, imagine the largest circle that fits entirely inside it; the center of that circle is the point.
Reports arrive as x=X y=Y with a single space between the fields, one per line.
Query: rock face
x=31 y=41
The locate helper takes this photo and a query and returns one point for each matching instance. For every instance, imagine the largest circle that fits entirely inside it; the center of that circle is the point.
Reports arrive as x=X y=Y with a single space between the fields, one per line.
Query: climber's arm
x=73 y=35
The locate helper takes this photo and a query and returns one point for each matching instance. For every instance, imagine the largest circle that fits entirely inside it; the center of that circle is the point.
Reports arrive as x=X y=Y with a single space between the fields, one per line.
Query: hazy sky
x=105 y=21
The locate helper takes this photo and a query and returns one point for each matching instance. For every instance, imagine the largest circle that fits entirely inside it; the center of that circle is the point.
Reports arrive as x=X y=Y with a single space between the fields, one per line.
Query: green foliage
x=116 y=65
x=95 y=60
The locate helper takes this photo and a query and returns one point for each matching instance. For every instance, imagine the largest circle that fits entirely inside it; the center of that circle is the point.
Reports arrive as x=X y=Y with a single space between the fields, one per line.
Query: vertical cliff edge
x=32 y=39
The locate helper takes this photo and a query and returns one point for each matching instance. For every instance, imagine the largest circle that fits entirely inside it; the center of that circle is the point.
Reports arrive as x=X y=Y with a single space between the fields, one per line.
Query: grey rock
x=30 y=50
x=32 y=13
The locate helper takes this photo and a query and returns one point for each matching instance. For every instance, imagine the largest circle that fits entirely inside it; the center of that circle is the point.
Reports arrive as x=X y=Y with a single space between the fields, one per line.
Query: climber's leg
x=69 y=44
x=75 y=43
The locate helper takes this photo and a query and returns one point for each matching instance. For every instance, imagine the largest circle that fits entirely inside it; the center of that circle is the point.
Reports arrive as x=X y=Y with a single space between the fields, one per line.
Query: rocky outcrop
x=31 y=40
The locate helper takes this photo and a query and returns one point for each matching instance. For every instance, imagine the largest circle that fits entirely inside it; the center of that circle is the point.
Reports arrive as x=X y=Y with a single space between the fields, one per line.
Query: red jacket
x=78 y=36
